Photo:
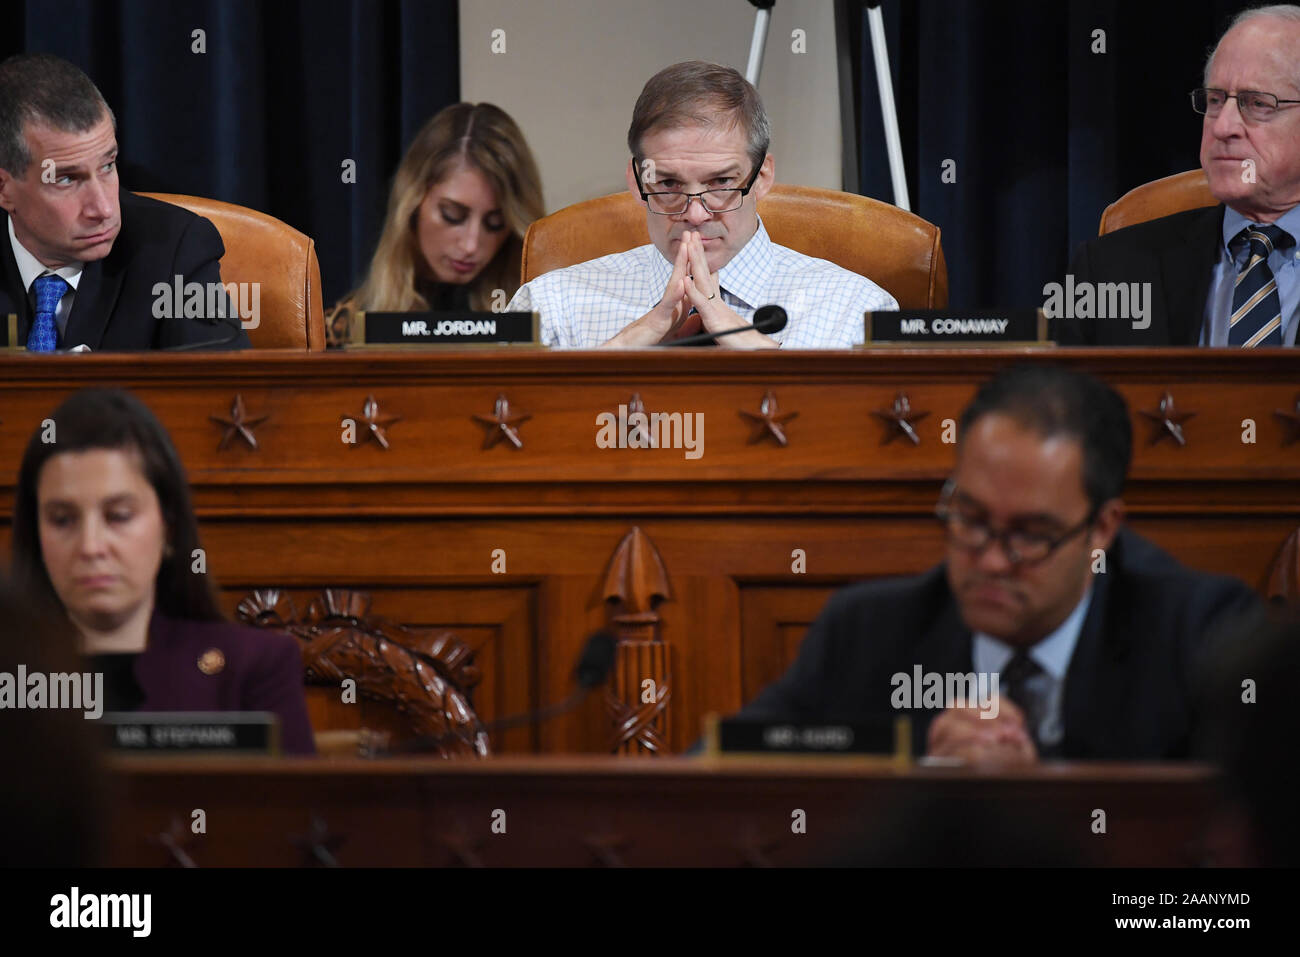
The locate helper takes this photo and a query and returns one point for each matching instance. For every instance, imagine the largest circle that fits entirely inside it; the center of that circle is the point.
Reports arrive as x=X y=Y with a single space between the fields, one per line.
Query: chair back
x=262 y=249
x=1161 y=197
x=895 y=249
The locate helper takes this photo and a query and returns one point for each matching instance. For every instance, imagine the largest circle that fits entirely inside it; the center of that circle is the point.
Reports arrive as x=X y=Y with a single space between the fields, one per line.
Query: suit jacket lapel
x=1092 y=674
x=945 y=647
x=1185 y=271
x=96 y=296
x=946 y=644
x=13 y=297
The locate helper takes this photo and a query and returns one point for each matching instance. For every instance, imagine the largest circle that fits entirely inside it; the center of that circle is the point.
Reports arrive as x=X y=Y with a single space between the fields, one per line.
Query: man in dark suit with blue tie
x=82 y=262
x=1228 y=275
x=1092 y=633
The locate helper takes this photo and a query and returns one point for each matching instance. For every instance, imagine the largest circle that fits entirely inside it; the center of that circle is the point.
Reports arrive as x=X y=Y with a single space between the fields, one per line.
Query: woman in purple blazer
x=105 y=534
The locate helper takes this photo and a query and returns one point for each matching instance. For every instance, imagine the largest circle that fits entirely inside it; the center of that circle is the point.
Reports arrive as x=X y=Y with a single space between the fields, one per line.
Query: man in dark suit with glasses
x=1093 y=632
x=1228 y=275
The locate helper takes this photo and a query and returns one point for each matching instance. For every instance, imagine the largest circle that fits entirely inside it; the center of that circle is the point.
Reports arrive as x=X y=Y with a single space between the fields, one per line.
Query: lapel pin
x=212 y=661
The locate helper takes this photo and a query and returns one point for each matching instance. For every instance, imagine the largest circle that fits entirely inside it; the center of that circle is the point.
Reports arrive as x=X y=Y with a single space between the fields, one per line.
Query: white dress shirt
x=586 y=305
x=31 y=269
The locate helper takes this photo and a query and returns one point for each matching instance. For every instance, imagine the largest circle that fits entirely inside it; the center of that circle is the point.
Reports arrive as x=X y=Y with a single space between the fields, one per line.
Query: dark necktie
x=44 y=334
x=1015 y=679
x=1256 y=318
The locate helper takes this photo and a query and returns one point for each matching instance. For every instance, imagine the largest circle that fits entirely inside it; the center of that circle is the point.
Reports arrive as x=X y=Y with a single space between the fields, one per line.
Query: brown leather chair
x=895 y=249
x=260 y=248
x=1161 y=197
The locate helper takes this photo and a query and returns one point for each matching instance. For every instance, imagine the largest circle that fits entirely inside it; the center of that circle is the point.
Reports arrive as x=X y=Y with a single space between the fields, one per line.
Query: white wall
x=572 y=70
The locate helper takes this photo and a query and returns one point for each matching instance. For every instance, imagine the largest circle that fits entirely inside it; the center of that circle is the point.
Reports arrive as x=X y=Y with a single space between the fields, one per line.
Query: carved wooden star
x=374 y=422
x=607 y=848
x=1292 y=422
x=1169 y=421
x=240 y=423
x=644 y=438
x=319 y=845
x=177 y=840
x=767 y=421
x=501 y=424
x=900 y=417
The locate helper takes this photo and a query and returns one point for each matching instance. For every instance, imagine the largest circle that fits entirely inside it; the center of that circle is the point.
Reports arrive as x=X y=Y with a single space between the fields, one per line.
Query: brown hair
x=694 y=93
x=479 y=135
x=114 y=419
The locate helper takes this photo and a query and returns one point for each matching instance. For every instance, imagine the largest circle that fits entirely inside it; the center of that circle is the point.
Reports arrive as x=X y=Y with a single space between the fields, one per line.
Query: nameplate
x=957 y=327
x=887 y=737
x=215 y=732
x=424 y=329
x=11 y=333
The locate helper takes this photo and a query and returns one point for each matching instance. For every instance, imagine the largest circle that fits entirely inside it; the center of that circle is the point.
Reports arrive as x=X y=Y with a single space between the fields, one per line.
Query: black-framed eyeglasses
x=676 y=202
x=1021 y=547
x=1255 y=106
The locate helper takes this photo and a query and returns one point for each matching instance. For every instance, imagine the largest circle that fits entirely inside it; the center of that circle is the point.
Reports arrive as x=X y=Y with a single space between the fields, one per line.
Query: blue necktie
x=1256 y=318
x=44 y=336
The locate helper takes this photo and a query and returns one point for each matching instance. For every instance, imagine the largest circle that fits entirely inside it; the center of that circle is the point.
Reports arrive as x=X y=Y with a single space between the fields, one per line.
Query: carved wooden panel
x=640 y=688
x=1284 y=576
x=773 y=621
x=598 y=812
x=496 y=625
x=359 y=656
x=417 y=524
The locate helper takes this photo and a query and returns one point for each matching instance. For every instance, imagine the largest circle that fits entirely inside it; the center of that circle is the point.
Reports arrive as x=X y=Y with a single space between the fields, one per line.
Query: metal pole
x=759 y=42
x=885 y=83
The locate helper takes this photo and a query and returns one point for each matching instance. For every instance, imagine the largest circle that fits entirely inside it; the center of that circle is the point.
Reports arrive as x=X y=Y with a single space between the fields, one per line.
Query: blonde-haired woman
x=465 y=193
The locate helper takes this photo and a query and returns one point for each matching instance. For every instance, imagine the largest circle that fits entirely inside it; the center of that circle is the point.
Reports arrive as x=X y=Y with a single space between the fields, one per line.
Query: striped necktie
x=1256 y=307
x=44 y=334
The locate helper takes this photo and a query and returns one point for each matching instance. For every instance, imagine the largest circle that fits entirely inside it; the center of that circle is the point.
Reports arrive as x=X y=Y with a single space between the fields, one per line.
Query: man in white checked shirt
x=699 y=141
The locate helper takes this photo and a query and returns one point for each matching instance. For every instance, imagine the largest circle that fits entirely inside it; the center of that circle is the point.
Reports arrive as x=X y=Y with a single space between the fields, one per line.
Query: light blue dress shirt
x=1286 y=270
x=1052 y=654
x=586 y=305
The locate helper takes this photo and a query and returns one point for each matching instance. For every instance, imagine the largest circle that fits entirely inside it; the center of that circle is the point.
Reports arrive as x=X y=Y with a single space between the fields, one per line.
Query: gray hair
x=695 y=92
x=1278 y=11
x=44 y=89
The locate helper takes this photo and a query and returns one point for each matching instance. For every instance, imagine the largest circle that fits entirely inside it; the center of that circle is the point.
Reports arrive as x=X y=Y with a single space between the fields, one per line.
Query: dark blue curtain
x=284 y=94
x=1045 y=132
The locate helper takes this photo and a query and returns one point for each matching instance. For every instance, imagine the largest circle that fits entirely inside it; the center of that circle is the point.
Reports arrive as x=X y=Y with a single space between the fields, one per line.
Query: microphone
x=767 y=319
x=222 y=317
x=187 y=346
x=592 y=670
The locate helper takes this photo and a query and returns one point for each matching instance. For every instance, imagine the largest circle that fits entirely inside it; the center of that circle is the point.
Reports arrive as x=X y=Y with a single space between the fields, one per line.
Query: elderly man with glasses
x=1094 y=634
x=699 y=141
x=1228 y=275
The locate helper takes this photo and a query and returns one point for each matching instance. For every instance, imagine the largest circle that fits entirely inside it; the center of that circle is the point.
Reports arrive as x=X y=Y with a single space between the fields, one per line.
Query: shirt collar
x=745 y=277
x=1052 y=653
x=31 y=269
x=1234 y=222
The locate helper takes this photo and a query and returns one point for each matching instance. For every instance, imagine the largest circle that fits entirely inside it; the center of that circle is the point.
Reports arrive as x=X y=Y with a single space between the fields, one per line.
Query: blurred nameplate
x=890 y=737
x=216 y=732
x=957 y=327
x=424 y=329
